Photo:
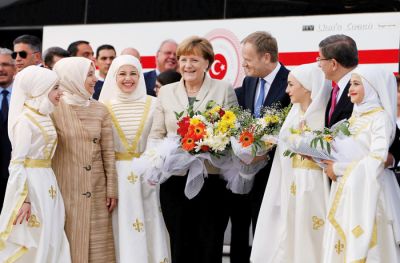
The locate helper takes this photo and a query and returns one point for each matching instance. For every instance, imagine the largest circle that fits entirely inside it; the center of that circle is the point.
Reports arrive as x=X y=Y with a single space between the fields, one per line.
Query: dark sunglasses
x=22 y=54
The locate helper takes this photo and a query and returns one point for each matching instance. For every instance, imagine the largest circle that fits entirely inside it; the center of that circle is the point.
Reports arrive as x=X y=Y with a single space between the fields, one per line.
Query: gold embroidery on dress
x=357 y=231
x=165 y=260
x=138 y=226
x=374 y=238
x=339 y=247
x=132 y=178
x=52 y=192
x=293 y=188
x=33 y=221
x=2 y=245
x=317 y=222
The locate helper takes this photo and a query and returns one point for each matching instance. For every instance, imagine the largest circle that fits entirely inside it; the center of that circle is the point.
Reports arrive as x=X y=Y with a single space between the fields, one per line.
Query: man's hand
x=329 y=169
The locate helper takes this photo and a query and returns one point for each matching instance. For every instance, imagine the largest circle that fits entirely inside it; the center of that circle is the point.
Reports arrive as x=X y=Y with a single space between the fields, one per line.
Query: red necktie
x=335 y=91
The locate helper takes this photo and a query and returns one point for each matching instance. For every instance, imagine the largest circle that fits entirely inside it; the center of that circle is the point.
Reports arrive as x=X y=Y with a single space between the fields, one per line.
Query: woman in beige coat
x=196 y=226
x=84 y=163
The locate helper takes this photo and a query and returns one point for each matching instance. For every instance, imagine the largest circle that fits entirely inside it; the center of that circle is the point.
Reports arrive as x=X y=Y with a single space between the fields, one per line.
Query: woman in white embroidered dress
x=291 y=222
x=32 y=219
x=363 y=217
x=139 y=228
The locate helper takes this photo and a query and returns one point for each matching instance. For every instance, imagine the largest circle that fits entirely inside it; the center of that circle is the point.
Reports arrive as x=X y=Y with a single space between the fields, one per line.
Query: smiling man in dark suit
x=338 y=57
x=264 y=85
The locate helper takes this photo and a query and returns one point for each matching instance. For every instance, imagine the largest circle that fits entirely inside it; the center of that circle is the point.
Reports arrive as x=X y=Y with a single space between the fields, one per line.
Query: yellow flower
x=229 y=117
x=215 y=110
x=295 y=131
x=222 y=127
x=271 y=119
x=194 y=122
x=328 y=138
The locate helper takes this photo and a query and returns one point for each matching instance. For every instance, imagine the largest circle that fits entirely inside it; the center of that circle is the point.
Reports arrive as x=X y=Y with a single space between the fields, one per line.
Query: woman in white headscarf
x=32 y=219
x=290 y=226
x=84 y=163
x=363 y=218
x=139 y=228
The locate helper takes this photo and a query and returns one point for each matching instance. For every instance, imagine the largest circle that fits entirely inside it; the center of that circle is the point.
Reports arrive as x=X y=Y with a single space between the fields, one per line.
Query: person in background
x=81 y=48
x=105 y=54
x=166 y=77
x=27 y=51
x=7 y=72
x=52 y=55
x=33 y=216
x=131 y=51
x=165 y=60
x=196 y=226
x=84 y=163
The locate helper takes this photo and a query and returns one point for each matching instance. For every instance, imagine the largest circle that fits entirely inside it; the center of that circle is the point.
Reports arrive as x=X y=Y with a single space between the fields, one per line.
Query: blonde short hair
x=198 y=46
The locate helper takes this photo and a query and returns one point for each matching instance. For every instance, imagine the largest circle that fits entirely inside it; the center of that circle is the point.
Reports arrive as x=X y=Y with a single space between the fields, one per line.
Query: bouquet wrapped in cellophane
x=253 y=139
x=325 y=144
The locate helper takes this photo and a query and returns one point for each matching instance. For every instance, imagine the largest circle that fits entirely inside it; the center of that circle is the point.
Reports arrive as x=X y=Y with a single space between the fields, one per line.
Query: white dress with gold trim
x=363 y=217
x=139 y=228
x=291 y=222
x=41 y=239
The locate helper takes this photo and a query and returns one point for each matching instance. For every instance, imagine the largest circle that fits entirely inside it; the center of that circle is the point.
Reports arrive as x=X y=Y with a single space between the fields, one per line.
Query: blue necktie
x=260 y=99
x=4 y=105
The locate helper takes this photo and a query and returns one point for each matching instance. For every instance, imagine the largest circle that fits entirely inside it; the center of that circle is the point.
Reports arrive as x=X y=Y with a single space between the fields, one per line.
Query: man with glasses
x=7 y=72
x=338 y=57
x=165 y=60
x=27 y=51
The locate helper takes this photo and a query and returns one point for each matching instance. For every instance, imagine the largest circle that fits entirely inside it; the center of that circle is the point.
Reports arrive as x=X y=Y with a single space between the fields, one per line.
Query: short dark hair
x=342 y=48
x=73 y=47
x=33 y=41
x=49 y=54
x=168 y=76
x=102 y=47
x=264 y=42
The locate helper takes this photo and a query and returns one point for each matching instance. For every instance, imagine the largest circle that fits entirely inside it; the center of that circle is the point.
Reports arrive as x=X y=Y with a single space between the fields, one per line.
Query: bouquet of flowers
x=318 y=143
x=256 y=136
x=207 y=131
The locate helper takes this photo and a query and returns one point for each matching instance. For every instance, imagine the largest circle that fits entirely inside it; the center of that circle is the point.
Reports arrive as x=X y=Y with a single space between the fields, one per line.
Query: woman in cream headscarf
x=364 y=217
x=290 y=226
x=32 y=219
x=84 y=163
x=139 y=228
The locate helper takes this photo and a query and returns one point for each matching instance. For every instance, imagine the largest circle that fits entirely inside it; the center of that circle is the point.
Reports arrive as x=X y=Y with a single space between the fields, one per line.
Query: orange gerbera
x=197 y=131
x=246 y=138
x=188 y=143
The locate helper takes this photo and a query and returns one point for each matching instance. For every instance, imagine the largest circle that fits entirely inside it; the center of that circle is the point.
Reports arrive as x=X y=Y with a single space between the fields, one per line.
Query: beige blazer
x=173 y=98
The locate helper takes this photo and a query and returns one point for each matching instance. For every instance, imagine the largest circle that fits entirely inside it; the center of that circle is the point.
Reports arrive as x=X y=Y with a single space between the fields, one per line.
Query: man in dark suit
x=7 y=72
x=105 y=54
x=338 y=57
x=165 y=60
x=264 y=85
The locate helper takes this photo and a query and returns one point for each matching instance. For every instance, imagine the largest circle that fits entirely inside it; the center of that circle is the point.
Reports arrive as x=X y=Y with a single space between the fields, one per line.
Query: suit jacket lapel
x=181 y=95
x=343 y=101
x=201 y=96
x=249 y=100
x=277 y=86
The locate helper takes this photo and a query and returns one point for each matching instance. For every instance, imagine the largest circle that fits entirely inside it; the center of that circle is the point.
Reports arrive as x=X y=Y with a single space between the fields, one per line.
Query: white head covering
x=380 y=91
x=31 y=86
x=73 y=72
x=312 y=78
x=110 y=88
